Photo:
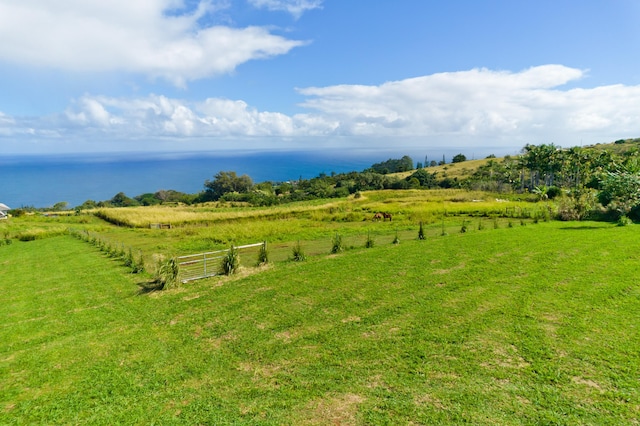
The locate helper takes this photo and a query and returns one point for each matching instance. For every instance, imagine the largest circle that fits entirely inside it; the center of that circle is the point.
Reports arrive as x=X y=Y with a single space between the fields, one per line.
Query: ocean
x=42 y=181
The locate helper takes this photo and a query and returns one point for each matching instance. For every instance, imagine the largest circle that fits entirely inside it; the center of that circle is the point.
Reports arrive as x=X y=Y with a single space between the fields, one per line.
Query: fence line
x=203 y=265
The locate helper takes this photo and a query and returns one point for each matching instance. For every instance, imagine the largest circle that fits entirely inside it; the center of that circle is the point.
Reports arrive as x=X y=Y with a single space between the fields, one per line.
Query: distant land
x=42 y=181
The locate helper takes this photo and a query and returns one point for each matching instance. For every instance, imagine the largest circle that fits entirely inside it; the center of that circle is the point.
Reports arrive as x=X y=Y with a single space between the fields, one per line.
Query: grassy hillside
x=460 y=170
x=532 y=324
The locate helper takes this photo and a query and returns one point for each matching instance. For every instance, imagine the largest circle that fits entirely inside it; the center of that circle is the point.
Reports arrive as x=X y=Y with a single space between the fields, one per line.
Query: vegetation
x=472 y=328
x=393 y=166
x=230 y=262
x=297 y=254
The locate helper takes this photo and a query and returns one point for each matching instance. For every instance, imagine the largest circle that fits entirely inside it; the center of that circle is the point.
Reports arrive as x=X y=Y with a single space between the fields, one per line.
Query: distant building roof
x=4 y=207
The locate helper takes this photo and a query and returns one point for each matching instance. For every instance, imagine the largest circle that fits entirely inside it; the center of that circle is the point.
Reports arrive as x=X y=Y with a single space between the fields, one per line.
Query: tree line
x=591 y=180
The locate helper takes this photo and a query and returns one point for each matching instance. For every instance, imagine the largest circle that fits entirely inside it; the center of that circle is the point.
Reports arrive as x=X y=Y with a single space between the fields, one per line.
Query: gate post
x=204 y=263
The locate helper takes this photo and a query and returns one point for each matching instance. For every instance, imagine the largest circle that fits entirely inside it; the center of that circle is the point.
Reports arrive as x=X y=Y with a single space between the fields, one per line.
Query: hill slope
x=476 y=328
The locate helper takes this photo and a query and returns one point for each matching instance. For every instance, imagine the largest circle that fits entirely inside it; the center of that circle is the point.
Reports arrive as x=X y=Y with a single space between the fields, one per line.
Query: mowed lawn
x=536 y=324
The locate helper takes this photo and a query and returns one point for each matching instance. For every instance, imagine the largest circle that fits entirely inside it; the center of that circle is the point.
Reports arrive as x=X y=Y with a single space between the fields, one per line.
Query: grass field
x=533 y=324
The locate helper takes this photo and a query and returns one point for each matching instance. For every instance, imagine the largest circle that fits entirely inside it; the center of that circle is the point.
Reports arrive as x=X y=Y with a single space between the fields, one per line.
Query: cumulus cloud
x=159 y=38
x=480 y=103
x=477 y=107
x=294 y=7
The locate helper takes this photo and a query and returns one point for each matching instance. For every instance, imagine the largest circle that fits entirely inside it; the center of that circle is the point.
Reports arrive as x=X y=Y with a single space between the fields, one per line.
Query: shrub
x=138 y=265
x=370 y=242
x=396 y=240
x=421 y=235
x=263 y=255
x=463 y=229
x=336 y=246
x=624 y=221
x=297 y=254
x=167 y=273
x=230 y=262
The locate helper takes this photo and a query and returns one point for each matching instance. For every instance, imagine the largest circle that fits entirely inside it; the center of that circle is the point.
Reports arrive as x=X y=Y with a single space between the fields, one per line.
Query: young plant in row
x=230 y=262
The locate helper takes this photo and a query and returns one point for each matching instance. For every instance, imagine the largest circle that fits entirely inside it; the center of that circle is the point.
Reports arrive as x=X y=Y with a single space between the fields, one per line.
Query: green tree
x=225 y=182
x=89 y=204
x=459 y=158
x=62 y=205
x=620 y=191
x=121 y=200
x=425 y=179
x=393 y=165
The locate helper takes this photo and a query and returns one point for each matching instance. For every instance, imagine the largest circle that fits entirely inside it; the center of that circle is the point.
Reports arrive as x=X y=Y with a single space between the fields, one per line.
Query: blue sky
x=405 y=75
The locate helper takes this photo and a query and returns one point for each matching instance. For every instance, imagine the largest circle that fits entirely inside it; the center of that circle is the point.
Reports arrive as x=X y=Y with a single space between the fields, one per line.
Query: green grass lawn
x=533 y=324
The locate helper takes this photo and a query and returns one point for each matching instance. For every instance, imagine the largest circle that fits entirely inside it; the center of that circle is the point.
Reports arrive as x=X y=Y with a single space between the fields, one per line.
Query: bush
x=337 y=246
x=624 y=221
x=553 y=192
x=167 y=273
x=421 y=235
x=396 y=240
x=297 y=254
x=263 y=255
x=370 y=242
x=230 y=262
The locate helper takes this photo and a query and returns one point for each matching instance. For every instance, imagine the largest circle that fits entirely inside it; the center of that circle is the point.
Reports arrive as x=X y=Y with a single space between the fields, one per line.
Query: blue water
x=42 y=181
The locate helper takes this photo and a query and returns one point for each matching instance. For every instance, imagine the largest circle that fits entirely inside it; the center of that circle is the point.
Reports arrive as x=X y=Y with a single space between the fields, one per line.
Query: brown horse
x=386 y=216
x=377 y=217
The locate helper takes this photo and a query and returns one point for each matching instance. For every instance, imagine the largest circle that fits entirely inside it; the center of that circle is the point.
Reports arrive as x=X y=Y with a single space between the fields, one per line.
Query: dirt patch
x=429 y=400
x=587 y=382
x=446 y=271
x=338 y=410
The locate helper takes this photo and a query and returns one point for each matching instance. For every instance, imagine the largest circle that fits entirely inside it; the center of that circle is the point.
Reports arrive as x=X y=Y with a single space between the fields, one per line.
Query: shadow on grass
x=583 y=227
x=149 y=287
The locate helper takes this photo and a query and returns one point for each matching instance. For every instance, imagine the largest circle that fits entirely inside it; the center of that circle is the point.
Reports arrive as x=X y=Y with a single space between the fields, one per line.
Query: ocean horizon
x=43 y=180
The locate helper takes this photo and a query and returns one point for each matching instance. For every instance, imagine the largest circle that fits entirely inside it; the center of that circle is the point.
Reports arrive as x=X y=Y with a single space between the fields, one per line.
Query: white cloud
x=153 y=37
x=294 y=7
x=478 y=108
x=480 y=103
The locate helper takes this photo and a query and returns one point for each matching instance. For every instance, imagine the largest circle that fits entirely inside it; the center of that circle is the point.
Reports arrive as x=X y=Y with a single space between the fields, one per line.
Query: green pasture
x=503 y=324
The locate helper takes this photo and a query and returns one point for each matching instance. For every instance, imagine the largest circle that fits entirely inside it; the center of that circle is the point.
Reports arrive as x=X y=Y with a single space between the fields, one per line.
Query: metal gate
x=203 y=265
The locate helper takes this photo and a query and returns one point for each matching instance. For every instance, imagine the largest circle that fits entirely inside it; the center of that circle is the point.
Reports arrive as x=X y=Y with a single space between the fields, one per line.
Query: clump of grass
x=297 y=253
x=370 y=242
x=463 y=229
x=443 y=232
x=421 y=235
x=230 y=262
x=336 y=244
x=396 y=239
x=40 y=233
x=167 y=271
